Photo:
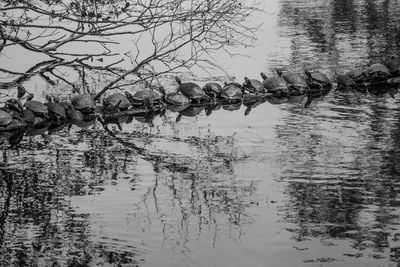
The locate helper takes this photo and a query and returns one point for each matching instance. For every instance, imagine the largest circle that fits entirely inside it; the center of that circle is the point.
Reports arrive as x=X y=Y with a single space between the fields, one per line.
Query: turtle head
x=247 y=86
x=129 y=96
x=162 y=90
x=48 y=98
x=178 y=80
x=263 y=76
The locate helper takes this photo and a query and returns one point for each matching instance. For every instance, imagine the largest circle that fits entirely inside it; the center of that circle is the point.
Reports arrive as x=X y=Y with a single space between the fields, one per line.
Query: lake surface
x=283 y=186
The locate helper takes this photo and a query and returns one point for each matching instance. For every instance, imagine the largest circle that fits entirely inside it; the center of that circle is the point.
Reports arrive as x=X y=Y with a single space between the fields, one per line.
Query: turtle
x=117 y=99
x=213 y=90
x=147 y=97
x=8 y=123
x=275 y=85
x=177 y=99
x=28 y=116
x=56 y=110
x=85 y=103
x=344 y=80
x=5 y=118
x=253 y=85
x=38 y=108
x=317 y=80
x=232 y=92
x=112 y=109
x=352 y=78
x=356 y=74
x=295 y=82
x=74 y=114
x=12 y=108
x=174 y=98
x=377 y=72
x=191 y=91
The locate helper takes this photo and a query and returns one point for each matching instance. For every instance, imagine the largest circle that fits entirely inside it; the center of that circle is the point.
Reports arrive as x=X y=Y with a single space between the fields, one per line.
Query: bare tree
x=92 y=35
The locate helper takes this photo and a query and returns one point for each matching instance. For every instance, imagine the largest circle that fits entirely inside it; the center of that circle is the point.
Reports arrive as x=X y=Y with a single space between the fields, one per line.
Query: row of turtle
x=15 y=115
x=377 y=73
x=284 y=83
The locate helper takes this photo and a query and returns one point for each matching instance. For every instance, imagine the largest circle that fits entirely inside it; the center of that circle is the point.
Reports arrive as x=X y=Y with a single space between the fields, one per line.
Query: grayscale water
x=283 y=186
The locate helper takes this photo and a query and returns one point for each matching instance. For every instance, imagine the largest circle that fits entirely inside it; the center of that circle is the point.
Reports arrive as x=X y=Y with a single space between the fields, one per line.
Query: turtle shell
x=319 y=78
x=253 y=85
x=74 y=115
x=294 y=79
x=356 y=74
x=232 y=92
x=14 y=113
x=344 y=80
x=84 y=102
x=377 y=67
x=57 y=110
x=5 y=118
x=377 y=71
x=275 y=84
x=37 y=107
x=191 y=90
x=14 y=124
x=144 y=95
x=114 y=99
x=212 y=89
x=28 y=116
x=177 y=99
x=295 y=82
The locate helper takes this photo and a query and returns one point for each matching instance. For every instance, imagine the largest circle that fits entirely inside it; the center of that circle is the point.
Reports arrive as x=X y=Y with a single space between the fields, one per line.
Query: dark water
x=283 y=186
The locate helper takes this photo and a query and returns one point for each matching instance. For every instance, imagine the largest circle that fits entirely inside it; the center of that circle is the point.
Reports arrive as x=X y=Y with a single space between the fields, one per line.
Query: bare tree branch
x=90 y=35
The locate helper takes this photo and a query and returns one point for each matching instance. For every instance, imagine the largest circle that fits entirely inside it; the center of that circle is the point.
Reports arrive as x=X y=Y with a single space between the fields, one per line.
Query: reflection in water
x=191 y=192
x=336 y=34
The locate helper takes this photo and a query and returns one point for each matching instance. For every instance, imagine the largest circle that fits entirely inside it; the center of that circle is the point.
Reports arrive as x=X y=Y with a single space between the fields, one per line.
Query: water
x=282 y=186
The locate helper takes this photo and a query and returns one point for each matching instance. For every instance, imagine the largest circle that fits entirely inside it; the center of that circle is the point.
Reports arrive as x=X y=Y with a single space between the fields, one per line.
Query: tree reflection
x=341 y=34
x=190 y=196
x=341 y=159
